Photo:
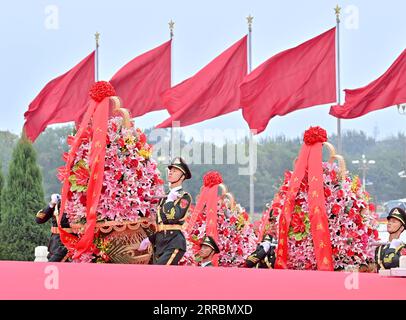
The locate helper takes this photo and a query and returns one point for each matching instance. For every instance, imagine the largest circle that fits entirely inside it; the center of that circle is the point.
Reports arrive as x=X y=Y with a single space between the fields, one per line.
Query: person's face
x=394 y=225
x=205 y=251
x=272 y=228
x=174 y=175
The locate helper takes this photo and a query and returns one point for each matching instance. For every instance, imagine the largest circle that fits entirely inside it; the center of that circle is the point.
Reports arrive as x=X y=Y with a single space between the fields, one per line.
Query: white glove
x=144 y=244
x=55 y=199
x=266 y=245
x=172 y=196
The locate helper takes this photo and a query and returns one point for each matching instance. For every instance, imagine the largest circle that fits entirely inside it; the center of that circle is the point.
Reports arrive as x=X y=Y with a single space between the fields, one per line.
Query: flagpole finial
x=337 y=10
x=97 y=37
x=171 y=27
x=249 y=21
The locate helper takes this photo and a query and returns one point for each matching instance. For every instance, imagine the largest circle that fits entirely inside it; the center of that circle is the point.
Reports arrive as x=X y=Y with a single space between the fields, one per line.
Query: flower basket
x=236 y=237
x=111 y=184
x=345 y=226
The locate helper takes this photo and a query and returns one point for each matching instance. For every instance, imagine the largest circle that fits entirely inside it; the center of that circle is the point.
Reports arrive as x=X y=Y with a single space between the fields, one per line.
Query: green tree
x=22 y=197
x=1 y=186
x=50 y=147
x=8 y=141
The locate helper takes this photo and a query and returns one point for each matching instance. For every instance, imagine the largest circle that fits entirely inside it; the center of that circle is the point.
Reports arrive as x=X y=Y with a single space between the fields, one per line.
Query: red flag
x=141 y=81
x=211 y=92
x=63 y=99
x=388 y=90
x=294 y=79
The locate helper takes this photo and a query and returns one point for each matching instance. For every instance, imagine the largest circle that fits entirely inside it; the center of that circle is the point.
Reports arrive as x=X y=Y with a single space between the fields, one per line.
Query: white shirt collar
x=395 y=243
x=176 y=188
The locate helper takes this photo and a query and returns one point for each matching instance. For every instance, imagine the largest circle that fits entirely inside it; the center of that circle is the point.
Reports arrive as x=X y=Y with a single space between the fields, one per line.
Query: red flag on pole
x=388 y=90
x=63 y=99
x=294 y=79
x=141 y=81
x=211 y=92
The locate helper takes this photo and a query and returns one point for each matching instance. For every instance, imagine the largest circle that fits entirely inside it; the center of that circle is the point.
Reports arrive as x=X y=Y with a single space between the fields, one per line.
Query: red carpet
x=29 y=280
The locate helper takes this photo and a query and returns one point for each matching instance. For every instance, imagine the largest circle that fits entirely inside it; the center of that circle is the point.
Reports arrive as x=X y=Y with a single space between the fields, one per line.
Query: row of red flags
x=297 y=78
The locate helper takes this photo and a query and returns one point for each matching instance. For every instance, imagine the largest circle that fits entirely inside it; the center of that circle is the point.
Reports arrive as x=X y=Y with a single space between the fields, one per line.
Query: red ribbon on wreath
x=208 y=199
x=98 y=113
x=310 y=161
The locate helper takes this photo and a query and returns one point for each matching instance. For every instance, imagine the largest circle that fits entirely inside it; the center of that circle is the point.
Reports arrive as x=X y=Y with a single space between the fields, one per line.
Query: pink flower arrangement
x=352 y=226
x=237 y=238
x=131 y=178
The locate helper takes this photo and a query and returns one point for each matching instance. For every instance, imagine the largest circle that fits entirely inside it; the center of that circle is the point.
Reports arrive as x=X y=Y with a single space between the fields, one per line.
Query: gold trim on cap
x=177 y=167
x=400 y=219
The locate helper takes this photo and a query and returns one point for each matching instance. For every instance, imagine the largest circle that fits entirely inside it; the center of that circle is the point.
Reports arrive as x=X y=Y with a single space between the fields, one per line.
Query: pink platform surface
x=29 y=280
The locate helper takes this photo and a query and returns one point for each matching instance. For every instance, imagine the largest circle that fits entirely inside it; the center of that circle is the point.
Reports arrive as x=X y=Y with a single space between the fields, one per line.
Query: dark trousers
x=171 y=257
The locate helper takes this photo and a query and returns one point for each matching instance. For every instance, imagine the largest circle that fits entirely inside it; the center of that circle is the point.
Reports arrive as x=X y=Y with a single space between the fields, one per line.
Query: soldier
x=57 y=251
x=208 y=249
x=168 y=241
x=387 y=256
x=264 y=255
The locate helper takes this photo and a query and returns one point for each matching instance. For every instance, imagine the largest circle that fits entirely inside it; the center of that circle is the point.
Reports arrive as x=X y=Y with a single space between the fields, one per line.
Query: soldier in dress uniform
x=387 y=256
x=208 y=249
x=264 y=256
x=57 y=251
x=168 y=241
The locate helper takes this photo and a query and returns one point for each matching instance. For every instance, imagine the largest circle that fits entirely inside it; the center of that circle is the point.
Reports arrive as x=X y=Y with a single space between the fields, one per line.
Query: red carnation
x=358 y=220
x=140 y=191
x=340 y=194
x=212 y=178
x=335 y=209
x=70 y=195
x=134 y=163
x=139 y=174
x=118 y=175
x=101 y=90
x=315 y=135
x=121 y=142
x=83 y=200
x=376 y=234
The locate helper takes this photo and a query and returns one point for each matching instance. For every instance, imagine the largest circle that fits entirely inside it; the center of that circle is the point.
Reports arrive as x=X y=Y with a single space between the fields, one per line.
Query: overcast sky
x=33 y=53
